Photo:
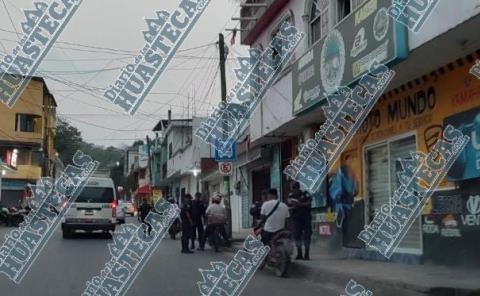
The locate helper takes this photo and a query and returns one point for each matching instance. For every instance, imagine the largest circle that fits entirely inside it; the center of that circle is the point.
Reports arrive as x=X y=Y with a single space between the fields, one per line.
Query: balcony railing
x=256 y=15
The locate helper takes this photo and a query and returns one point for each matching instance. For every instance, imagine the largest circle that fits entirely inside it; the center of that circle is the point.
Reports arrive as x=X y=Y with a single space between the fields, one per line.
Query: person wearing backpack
x=301 y=206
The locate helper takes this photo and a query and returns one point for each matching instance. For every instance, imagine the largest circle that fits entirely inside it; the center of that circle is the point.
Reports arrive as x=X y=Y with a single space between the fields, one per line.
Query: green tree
x=68 y=139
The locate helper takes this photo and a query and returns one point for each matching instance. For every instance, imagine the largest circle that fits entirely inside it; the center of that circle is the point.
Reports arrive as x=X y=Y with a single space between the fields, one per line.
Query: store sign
x=225 y=168
x=473 y=207
x=11 y=158
x=345 y=54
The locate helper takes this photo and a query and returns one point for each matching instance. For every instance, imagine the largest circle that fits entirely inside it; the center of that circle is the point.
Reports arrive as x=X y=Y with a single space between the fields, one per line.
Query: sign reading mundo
x=345 y=54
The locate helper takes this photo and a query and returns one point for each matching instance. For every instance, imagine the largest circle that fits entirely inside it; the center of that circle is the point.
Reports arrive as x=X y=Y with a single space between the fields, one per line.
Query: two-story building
x=27 y=132
x=178 y=158
x=432 y=87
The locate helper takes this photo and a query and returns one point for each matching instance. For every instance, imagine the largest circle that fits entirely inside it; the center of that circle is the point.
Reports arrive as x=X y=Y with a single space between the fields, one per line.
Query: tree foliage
x=68 y=140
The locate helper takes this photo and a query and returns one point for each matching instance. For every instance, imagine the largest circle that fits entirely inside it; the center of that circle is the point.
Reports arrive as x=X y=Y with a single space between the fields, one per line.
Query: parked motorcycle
x=215 y=239
x=281 y=250
x=4 y=214
x=16 y=216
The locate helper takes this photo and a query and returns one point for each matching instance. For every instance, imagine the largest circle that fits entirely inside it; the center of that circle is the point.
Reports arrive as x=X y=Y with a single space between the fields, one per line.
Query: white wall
x=276 y=106
x=185 y=161
x=447 y=15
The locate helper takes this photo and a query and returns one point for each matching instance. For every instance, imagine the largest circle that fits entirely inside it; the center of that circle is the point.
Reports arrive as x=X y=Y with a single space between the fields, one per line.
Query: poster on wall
x=467 y=165
x=319 y=198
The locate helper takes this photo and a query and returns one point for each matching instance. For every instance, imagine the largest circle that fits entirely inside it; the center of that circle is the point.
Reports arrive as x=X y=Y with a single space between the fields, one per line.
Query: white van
x=94 y=209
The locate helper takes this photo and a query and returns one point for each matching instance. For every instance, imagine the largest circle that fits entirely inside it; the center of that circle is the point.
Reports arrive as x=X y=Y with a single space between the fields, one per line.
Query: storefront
x=412 y=118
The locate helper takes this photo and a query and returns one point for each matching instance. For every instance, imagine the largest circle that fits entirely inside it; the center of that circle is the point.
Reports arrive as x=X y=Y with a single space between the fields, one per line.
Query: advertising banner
x=468 y=164
x=345 y=54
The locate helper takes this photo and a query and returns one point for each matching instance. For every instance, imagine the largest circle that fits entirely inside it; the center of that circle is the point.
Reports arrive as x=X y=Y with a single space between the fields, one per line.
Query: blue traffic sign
x=228 y=154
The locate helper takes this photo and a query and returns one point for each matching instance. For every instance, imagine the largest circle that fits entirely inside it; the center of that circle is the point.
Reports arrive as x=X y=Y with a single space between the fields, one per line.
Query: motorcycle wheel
x=283 y=262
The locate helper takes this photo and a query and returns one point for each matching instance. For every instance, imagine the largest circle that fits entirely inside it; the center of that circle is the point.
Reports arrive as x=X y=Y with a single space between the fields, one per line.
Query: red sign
x=225 y=168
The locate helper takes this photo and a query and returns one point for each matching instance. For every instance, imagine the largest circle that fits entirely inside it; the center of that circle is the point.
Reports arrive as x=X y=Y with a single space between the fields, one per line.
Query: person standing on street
x=301 y=206
x=216 y=220
x=198 y=214
x=255 y=209
x=144 y=209
x=187 y=223
x=274 y=214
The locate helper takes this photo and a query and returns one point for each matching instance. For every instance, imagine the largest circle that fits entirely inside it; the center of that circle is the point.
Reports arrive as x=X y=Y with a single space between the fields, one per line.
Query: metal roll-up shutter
x=377 y=181
x=401 y=149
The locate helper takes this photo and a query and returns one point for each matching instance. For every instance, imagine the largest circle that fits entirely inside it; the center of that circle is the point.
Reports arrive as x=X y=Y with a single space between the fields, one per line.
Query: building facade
x=432 y=87
x=178 y=158
x=27 y=133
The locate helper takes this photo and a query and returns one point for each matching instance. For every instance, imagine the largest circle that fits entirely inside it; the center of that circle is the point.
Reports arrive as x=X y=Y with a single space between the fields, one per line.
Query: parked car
x=94 y=209
x=121 y=210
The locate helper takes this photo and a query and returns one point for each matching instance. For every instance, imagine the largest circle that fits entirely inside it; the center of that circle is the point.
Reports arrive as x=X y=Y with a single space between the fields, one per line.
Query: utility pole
x=223 y=80
x=150 y=169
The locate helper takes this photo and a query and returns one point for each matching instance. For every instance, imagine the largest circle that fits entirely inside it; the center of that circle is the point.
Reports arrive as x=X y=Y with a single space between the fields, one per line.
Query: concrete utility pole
x=223 y=80
x=150 y=169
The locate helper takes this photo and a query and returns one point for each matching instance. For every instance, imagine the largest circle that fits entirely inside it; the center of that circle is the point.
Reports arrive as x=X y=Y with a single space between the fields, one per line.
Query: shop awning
x=14 y=185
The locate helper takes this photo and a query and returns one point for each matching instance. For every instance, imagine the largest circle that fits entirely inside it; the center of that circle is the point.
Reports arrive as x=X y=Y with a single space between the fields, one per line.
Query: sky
x=104 y=36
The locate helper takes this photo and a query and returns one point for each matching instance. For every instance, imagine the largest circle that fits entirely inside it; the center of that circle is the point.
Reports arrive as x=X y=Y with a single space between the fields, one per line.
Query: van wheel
x=67 y=233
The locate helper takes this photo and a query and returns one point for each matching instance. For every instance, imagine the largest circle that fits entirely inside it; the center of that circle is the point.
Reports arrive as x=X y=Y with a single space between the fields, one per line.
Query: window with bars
x=344 y=7
x=319 y=20
x=357 y=3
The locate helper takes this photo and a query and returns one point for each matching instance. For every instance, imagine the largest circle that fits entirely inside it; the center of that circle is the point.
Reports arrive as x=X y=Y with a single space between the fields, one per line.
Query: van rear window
x=96 y=195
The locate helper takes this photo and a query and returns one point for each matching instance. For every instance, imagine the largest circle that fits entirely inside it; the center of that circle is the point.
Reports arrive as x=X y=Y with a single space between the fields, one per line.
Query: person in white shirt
x=278 y=212
x=216 y=219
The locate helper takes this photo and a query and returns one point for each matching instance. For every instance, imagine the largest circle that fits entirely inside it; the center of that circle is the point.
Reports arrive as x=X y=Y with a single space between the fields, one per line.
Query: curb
x=337 y=280
x=378 y=286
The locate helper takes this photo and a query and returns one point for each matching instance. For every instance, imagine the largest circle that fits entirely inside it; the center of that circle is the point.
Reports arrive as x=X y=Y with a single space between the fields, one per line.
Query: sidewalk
x=383 y=278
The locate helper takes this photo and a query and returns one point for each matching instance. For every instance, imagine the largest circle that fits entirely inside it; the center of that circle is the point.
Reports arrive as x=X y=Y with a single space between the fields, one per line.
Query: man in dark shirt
x=144 y=209
x=301 y=205
x=198 y=214
x=187 y=222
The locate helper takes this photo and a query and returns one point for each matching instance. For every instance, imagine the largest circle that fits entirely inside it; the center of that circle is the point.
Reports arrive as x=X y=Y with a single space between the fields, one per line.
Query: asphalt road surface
x=64 y=266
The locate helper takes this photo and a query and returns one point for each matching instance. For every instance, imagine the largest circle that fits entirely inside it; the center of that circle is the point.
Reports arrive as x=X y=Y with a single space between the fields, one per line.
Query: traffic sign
x=225 y=168
x=230 y=154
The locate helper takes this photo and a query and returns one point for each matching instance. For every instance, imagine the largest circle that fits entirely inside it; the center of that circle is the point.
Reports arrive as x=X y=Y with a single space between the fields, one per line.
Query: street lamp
x=196 y=171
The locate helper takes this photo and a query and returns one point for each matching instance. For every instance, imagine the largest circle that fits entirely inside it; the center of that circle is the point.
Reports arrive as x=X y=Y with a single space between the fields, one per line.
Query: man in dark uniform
x=187 y=223
x=198 y=214
x=301 y=205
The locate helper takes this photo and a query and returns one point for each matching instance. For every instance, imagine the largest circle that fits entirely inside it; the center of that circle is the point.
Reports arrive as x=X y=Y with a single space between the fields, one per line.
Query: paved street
x=65 y=265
